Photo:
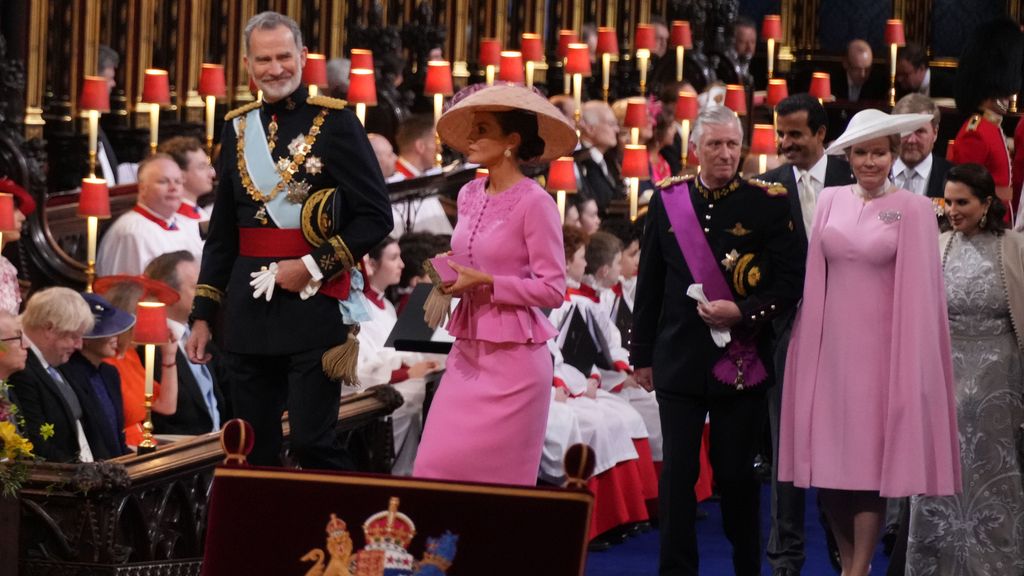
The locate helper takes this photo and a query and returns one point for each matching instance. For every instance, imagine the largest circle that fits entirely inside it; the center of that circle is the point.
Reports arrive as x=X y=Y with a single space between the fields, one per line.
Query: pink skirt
x=487 y=420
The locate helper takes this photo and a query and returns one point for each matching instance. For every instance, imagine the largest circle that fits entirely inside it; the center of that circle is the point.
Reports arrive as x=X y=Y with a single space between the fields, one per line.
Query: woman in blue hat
x=98 y=384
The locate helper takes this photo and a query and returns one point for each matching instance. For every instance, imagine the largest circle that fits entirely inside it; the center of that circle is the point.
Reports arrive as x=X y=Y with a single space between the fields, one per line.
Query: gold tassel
x=437 y=308
x=339 y=363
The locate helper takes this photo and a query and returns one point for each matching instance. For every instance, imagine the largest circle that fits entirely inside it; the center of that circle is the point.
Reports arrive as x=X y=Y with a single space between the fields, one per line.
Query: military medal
x=286 y=167
x=298 y=191
x=296 y=144
x=314 y=165
x=261 y=214
x=730 y=260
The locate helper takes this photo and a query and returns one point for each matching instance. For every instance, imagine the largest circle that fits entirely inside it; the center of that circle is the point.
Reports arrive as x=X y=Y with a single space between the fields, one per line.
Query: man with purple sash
x=734 y=238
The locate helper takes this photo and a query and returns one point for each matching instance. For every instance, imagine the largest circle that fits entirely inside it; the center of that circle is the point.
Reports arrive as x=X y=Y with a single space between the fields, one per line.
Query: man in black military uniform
x=748 y=227
x=284 y=158
x=802 y=123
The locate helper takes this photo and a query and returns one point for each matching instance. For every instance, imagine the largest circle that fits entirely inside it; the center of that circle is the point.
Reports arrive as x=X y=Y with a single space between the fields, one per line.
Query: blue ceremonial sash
x=263 y=172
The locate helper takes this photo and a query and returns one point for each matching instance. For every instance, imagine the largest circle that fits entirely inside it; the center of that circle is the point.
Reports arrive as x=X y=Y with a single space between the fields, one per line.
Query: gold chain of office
x=297 y=159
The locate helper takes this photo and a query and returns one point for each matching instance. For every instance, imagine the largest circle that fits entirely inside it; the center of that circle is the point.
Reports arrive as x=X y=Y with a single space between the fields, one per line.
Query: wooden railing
x=145 y=514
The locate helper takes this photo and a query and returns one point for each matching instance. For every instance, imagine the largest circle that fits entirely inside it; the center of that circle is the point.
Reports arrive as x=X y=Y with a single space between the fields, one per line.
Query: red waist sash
x=287 y=243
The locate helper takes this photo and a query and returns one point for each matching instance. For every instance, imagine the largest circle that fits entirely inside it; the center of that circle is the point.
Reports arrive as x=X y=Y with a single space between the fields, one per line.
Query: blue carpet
x=639 y=555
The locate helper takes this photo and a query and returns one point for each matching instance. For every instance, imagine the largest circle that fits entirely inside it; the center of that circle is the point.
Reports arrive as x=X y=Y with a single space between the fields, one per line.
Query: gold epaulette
x=242 y=110
x=673 y=180
x=973 y=123
x=770 y=188
x=327 y=102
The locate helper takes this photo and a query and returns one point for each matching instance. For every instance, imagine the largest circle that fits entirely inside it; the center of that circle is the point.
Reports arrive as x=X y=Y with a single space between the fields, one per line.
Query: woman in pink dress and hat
x=868 y=410
x=487 y=420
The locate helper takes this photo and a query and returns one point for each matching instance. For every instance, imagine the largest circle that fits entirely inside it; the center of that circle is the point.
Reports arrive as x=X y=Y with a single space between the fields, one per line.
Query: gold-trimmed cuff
x=342 y=251
x=207 y=291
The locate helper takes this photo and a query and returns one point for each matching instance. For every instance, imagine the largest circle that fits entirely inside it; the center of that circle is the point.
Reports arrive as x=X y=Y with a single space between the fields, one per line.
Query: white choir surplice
x=134 y=240
x=375 y=366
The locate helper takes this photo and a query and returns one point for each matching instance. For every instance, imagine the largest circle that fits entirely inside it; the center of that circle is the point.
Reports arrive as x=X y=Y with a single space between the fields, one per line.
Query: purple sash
x=740 y=365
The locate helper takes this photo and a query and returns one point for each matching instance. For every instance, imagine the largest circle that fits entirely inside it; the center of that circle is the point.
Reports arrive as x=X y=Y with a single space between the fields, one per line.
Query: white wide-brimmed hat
x=870 y=124
x=553 y=127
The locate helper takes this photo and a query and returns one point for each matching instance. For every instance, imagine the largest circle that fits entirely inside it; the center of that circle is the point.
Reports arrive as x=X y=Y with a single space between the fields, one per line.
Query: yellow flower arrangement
x=15 y=449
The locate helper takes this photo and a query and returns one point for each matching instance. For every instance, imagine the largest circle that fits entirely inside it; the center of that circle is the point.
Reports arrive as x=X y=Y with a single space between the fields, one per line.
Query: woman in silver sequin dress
x=981 y=530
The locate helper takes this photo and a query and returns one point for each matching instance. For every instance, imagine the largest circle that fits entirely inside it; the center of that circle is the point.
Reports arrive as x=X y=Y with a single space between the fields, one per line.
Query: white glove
x=721 y=337
x=309 y=289
x=263 y=281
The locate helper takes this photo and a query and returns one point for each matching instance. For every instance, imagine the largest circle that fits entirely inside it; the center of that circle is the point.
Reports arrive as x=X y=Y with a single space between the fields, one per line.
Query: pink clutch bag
x=439 y=270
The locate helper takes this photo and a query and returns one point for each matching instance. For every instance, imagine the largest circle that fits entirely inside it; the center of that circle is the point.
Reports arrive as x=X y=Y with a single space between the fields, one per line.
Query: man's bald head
x=598 y=126
x=858 y=61
x=385 y=153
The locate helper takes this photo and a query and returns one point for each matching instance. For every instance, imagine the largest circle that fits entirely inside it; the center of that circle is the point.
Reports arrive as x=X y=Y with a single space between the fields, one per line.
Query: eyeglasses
x=19 y=338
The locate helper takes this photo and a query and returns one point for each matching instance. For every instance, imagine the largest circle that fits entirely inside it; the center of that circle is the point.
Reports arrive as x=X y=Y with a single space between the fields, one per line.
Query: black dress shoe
x=785 y=572
x=598 y=545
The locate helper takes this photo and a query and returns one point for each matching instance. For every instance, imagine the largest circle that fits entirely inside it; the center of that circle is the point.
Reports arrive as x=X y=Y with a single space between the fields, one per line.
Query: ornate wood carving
x=147 y=514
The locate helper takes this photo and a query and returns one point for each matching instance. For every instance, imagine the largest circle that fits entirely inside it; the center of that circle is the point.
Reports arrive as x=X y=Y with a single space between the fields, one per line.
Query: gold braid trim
x=342 y=251
x=739 y=272
x=327 y=102
x=207 y=291
x=242 y=110
x=312 y=214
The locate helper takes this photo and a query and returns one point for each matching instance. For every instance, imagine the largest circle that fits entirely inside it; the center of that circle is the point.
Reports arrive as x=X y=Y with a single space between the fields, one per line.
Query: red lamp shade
x=636 y=113
x=578 y=59
x=362 y=87
x=155 y=87
x=644 y=37
x=94 y=200
x=562 y=175
x=511 y=66
x=151 y=323
x=211 y=81
x=681 y=35
x=777 y=91
x=951 y=151
x=481 y=173
x=361 y=58
x=7 y=213
x=736 y=98
x=439 y=78
x=762 y=141
x=821 y=85
x=894 y=32
x=565 y=37
x=532 y=47
x=490 y=52
x=315 y=71
x=607 y=41
x=686 y=106
x=95 y=94
x=635 y=162
x=771 y=27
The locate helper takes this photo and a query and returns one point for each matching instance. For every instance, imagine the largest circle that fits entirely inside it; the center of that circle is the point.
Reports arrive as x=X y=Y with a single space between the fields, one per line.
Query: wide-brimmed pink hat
x=553 y=127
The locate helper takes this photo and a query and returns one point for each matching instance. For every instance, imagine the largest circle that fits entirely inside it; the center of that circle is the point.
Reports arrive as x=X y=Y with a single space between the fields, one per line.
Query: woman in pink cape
x=868 y=411
x=487 y=420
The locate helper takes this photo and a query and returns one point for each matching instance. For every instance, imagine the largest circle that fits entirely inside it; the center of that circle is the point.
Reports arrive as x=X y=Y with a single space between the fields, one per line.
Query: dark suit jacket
x=603 y=189
x=192 y=416
x=937 y=179
x=104 y=442
x=837 y=173
x=40 y=402
x=875 y=89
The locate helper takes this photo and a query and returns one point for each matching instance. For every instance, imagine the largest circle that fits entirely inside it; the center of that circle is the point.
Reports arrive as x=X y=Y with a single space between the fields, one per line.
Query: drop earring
x=508 y=152
x=984 y=220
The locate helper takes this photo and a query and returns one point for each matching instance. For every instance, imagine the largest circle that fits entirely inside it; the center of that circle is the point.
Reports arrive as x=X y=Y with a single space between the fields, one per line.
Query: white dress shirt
x=916 y=180
x=809 y=202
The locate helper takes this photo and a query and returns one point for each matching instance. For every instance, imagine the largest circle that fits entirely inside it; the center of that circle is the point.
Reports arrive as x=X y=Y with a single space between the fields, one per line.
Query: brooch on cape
x=890 y=216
